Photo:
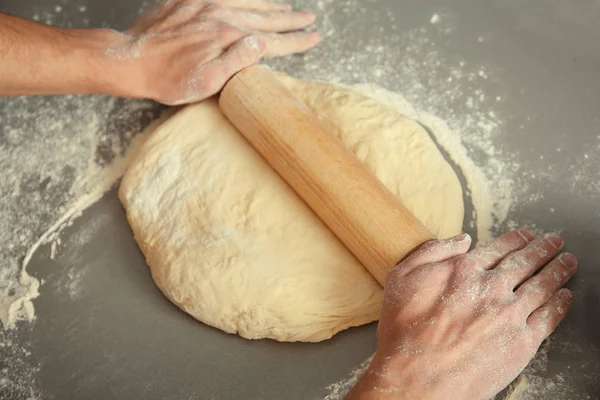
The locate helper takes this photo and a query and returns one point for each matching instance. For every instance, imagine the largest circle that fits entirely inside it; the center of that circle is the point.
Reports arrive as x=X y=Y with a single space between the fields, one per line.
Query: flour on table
x=338 y=390
x=58 y=155
x=405 y=59
x=229 y=242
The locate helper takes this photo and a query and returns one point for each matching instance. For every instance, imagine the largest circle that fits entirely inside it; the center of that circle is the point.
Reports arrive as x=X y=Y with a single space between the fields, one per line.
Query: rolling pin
x=364 y=215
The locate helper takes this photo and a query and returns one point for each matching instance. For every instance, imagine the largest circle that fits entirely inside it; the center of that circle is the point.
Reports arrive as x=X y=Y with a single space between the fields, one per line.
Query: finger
x=211 y=77
x=545 y=319
x=435 y=251
x=522 y=264
x=289 y=43
x=539 y=289
x=267 y=21
x=227 y=34
x=152 y=15
x=488 y=255
x=256 y=5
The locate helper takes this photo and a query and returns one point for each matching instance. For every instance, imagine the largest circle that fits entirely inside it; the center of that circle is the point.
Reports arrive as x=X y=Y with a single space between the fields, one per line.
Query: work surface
x=103 y=331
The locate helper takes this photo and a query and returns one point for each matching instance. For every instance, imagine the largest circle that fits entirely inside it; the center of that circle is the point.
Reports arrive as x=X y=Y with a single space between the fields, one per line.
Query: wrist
x=391 y=377
x=90 y=68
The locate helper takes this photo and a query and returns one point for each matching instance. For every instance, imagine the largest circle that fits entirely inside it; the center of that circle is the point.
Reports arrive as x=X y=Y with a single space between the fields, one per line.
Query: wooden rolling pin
x=346 y=196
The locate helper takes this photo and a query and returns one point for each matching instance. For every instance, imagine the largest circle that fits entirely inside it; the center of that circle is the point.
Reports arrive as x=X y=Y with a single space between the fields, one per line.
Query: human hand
x=184 y=51
x=463 y=325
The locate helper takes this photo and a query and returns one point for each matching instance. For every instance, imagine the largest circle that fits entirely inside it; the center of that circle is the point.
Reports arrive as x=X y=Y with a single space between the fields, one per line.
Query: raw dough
x=232 y=245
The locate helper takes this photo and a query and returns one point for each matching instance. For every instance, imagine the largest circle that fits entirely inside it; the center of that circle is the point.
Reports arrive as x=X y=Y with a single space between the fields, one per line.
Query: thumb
x=210 y=78
x=435 y=251
x=242 y=54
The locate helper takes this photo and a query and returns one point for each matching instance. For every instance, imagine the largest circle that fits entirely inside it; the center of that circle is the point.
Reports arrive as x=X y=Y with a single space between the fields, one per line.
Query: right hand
x=183 y=51
x=463 y=325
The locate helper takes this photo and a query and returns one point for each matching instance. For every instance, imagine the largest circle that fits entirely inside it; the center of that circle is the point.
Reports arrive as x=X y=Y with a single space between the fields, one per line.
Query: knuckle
x=428 y=248
x=204 y=83
x=237 y=57
x=534 y=290
x=211 y=83
x=224 y=27
x=559 y=273
x=212 y=10
x=431 y=250
x=396 y=272
x=209 y=25
x=248 y=50
x=228 y=31
x=465 y=262
x=497 y=285
x=515 y=261
x=516 y=311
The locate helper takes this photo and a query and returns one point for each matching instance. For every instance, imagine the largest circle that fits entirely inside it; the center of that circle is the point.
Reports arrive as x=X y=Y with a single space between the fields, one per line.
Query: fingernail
x=566 y=295
x=526 y=234
x=315 y=37
x=463 y=237
x=568 y=260
x=554 y=239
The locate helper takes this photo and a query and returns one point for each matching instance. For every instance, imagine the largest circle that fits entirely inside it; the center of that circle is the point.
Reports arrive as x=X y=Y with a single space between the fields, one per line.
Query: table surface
x=117 y=337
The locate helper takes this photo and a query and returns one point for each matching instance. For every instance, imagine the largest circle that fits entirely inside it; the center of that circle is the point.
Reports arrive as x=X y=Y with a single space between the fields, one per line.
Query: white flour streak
x=58 y=155
x=54 y=151
x=338 y=390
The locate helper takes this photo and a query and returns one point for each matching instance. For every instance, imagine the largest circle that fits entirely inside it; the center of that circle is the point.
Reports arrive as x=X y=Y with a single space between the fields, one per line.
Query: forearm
x=40 y=59
x=176 y=53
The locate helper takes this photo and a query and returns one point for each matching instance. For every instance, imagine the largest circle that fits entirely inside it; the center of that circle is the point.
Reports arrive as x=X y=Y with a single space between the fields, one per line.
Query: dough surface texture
x=231 y=244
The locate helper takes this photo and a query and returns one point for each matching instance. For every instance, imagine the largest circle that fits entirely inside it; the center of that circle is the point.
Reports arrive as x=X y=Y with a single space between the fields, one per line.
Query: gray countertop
x=104 y=331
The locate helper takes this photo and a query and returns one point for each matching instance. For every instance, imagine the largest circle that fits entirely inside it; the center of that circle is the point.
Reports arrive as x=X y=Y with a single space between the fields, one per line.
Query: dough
x=231 y=244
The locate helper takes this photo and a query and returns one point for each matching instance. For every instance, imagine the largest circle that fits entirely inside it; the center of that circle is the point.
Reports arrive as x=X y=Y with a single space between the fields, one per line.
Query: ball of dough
x=231 y=244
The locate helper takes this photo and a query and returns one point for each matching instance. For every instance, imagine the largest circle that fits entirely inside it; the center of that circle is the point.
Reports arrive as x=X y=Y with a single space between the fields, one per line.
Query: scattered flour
x=17 y=369
x=76 y=152
x=58 y=155
x=54 y=154
x=63 y=252
x=461 y=104
x=62 y=153
x=338 y=390
x=54 y=166
x=445 y=94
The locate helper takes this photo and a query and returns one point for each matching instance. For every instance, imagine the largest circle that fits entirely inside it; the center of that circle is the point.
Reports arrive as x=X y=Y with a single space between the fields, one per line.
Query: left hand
x=183 y=51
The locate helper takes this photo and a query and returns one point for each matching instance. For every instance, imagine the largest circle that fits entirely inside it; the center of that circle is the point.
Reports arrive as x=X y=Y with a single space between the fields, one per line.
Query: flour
x=17 y=369
x=64 y=149
x=477 y=184
x=67 y=14
x=537 y=382
x=338 y=390
x=54 y=154
x=53 y=164
x=62 y=252
x=446 y=95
